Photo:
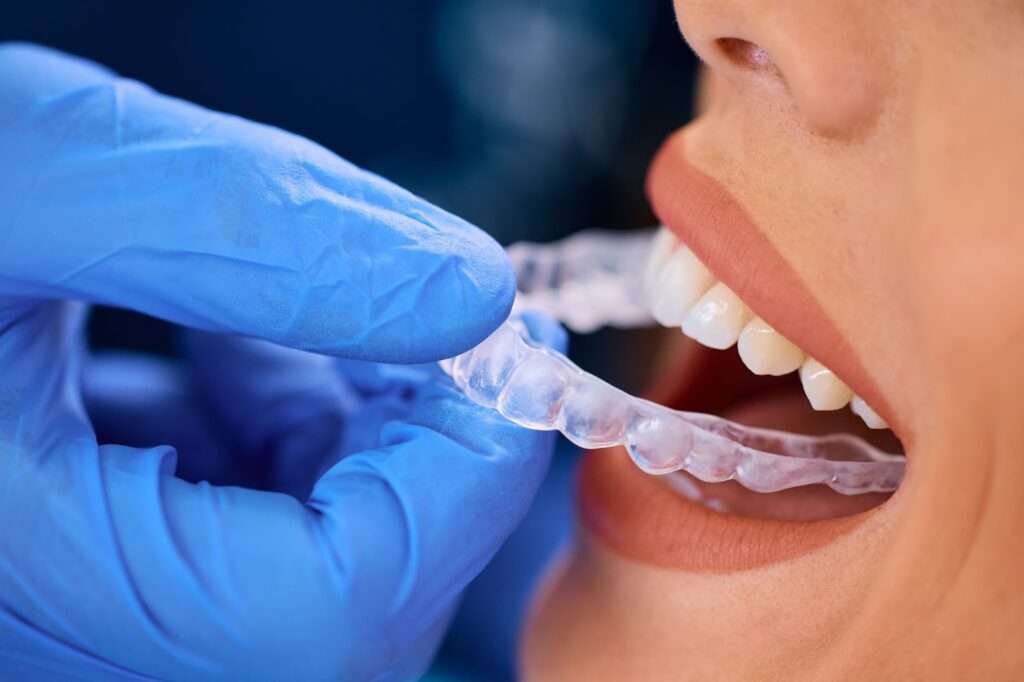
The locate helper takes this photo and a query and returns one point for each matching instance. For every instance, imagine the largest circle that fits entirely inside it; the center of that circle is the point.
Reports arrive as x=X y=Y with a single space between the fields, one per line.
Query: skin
x=879 y=147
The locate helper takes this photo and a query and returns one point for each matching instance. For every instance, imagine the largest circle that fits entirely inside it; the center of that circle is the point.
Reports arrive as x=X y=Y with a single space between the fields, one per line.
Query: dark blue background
x=531 y=118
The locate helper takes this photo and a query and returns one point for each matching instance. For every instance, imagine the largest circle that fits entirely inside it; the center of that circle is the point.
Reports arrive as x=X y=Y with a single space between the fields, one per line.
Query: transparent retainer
x=541 y=389
x=586 y=281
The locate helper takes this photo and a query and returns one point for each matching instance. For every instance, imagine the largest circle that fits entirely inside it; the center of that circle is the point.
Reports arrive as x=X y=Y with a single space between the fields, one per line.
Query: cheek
x=961 y=274
x=579 y=630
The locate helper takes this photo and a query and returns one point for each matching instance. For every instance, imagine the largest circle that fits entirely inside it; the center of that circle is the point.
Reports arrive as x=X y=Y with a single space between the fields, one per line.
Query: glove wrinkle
x=246 y=220
x=40 y=407
x=114 y=193
x=62 y=655
x=148 y=473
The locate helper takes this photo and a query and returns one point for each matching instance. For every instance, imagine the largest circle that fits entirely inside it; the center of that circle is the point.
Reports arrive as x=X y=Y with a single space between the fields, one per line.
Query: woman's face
x=853 y=178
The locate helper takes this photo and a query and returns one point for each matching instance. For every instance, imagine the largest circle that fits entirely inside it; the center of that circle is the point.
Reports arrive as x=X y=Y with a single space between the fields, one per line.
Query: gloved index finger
x=119 y=195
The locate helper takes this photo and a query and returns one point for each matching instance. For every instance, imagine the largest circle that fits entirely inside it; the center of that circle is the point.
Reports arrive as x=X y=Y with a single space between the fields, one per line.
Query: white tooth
x=718 y=318
x=864 y=411
x=765 y=351
x=662 y=246
x=823 y=388
x=680 y=284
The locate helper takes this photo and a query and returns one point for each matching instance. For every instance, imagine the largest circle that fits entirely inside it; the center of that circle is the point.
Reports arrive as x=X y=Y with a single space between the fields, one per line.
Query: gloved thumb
x=436 y=500
x=188 y=581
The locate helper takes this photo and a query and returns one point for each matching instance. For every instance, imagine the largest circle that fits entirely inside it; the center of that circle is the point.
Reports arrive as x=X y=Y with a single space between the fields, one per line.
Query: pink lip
x=638 y=515
x=641 y=518
x=710 y=221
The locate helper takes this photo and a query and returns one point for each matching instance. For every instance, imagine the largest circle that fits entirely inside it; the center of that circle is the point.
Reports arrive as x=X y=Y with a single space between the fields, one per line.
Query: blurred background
x=529 y=118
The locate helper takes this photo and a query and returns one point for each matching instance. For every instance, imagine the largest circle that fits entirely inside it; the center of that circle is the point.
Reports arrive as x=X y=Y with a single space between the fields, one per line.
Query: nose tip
x=827 y=62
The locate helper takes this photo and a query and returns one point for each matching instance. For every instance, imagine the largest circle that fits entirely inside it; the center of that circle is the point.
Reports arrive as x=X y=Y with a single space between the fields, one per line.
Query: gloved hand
x=111 y=566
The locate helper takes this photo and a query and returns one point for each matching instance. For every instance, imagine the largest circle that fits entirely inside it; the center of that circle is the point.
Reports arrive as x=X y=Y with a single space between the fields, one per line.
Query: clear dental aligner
x=541 y=389
x=586 y=281
x=593 y=279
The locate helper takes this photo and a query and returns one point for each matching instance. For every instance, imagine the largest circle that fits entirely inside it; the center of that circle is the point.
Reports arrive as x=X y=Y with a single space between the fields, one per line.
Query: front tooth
x=680 y=284
x=662 y=246
x=864 y=411
x=823 y=388
x=765 y=351
x=718 y=318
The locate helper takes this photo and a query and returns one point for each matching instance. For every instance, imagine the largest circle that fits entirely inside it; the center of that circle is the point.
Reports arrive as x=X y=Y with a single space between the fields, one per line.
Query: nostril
x=747 y=55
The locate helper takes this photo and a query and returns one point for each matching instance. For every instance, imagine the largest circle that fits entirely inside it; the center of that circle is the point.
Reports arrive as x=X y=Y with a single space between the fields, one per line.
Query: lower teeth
x=541 y=389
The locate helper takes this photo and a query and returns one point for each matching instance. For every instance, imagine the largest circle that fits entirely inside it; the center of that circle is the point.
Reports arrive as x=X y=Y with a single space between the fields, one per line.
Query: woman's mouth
x=714 y=276
x=682 y=293
x=713 y=267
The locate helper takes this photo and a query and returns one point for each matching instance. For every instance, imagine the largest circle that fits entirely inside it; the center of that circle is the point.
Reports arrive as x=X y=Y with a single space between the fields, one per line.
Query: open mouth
x=730 y=362
x=807 y=445
x=697 y=378
x=751 y=345
x=754 y=375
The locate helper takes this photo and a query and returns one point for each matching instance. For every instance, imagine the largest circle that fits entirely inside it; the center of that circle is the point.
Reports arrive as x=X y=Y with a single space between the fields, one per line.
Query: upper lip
x=708 y=219
x=636 y=514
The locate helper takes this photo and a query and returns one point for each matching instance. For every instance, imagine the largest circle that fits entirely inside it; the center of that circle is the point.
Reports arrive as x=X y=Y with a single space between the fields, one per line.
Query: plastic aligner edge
x=541 y=389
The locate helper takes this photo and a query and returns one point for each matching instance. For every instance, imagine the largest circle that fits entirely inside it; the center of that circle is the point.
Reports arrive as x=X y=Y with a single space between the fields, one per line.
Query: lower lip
x=642 y=518
x=646 y=519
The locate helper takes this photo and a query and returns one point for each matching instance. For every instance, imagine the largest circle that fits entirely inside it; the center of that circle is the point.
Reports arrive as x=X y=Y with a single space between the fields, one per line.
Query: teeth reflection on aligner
x=541 y=389
x=595 y=415
x=535 y=392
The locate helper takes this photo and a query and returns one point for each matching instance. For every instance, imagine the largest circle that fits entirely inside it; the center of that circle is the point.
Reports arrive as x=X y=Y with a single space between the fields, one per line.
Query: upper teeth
x=823 y=388
x=864 y=411
x=681 y=292
x=718 y=318
x=765 y=351
x=676 y=280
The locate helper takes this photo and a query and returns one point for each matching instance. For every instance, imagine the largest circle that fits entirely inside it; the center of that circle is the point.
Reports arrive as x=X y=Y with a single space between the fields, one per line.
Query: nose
x=826 y=61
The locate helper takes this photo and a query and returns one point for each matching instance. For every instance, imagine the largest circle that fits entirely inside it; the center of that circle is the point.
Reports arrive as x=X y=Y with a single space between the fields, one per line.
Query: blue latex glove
x=110 y=565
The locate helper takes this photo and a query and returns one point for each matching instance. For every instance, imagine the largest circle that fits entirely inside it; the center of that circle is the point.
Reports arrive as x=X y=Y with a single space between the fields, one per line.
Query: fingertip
x=23 y=63
x=262 y=233
x=487 y=273
x=468 y=295
x=19 y=49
